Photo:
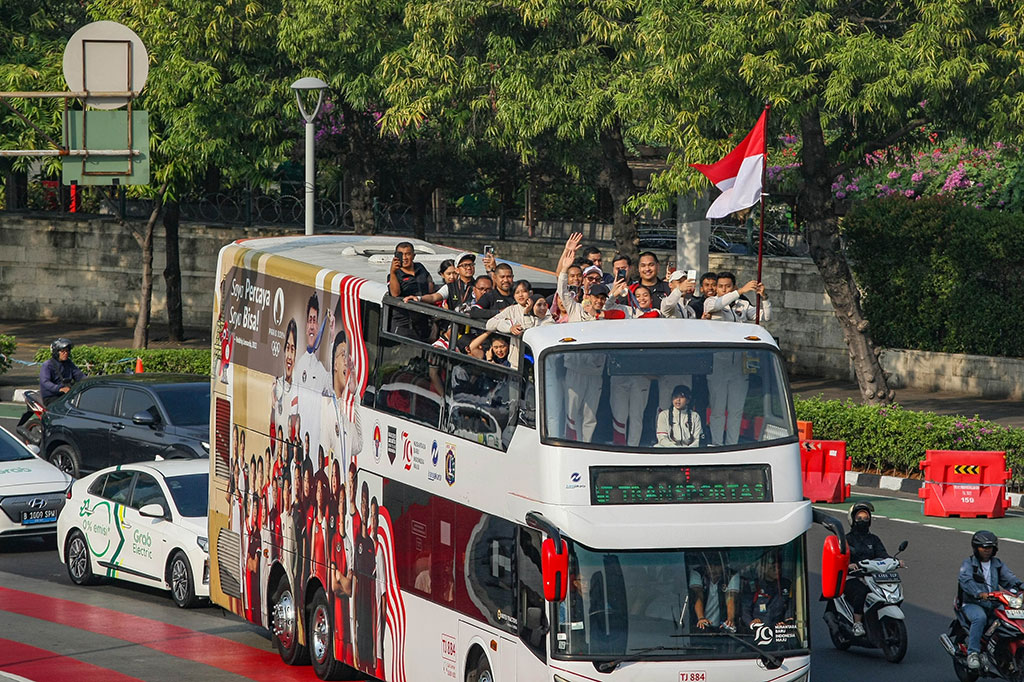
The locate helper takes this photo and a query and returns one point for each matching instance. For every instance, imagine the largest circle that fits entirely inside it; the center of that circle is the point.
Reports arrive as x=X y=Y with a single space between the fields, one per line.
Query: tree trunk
x=618 y=177
x=172 y=272
x=145 y=240
x=360 y=167
x=821 y=230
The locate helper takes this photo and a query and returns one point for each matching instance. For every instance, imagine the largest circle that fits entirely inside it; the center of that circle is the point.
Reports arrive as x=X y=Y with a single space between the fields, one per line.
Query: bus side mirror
x=834 y=565
x=554 y=565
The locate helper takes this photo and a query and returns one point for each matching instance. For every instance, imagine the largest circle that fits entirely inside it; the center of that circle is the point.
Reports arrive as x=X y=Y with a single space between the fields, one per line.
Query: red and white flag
x=738 y=175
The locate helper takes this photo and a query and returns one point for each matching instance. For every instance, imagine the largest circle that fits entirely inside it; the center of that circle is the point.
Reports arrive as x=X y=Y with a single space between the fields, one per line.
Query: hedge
x=96 y=360
x=8 y=344
x=893 y=440
x=939 y=276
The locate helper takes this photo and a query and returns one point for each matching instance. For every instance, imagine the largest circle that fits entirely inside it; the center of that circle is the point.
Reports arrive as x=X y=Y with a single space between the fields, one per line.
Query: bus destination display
x=680 y=485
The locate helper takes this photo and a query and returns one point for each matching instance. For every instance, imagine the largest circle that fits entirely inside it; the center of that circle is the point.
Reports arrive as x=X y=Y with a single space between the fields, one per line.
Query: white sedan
x=144 y=523
x=32 y=491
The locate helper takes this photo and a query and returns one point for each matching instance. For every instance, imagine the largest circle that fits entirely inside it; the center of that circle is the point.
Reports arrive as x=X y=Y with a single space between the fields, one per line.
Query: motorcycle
x=30 y=426
x=884 y=623
x=1002 y=644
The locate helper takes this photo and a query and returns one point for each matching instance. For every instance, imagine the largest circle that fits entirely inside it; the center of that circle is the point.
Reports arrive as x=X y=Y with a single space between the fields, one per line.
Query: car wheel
x=179 y=575
x=77 y=559
x=320 y=636
x=284 y=624
x=65 y=458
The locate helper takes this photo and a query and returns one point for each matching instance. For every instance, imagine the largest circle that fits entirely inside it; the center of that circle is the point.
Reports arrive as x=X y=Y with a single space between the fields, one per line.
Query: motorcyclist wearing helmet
x=980 y=575
x=863 y=545
x=59 y=372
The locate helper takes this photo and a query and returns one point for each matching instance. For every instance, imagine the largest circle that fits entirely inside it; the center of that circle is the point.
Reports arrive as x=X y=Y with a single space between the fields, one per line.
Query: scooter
x=884 y=624
x=1002 y=645
x=30 y=426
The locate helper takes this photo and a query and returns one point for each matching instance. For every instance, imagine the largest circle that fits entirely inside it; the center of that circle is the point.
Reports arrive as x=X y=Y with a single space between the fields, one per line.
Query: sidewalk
x=34 y=335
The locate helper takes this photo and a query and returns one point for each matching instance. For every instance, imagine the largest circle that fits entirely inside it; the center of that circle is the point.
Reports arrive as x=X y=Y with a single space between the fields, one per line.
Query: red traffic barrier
x=804 y=429
x=967 y=484
x=824 y=465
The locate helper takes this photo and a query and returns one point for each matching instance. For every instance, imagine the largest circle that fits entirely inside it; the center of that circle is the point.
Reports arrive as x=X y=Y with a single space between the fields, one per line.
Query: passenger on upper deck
x=649 y=269
x=457 y=293
x=499 y=298
x=407 y=279
x=729 y=305
x=519 y=317
x=677 y=303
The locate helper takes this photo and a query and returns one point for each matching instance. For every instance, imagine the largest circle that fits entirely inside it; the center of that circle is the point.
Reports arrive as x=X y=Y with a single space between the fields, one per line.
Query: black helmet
x=58 y=345
x=985 y=538
x=859 y=507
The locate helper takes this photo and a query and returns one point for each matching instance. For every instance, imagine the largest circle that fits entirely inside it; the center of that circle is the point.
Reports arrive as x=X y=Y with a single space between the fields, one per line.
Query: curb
x=903 y=485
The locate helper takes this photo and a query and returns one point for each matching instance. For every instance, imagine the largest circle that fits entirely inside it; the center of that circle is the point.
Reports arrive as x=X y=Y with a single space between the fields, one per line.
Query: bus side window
x=478 y=404
x=371 y=334
x=528 y=398
x=409 y=382
x=533 y=609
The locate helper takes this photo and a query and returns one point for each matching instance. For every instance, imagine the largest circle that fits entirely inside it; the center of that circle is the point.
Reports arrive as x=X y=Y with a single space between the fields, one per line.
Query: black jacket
x=55 y=374
x=865 y=546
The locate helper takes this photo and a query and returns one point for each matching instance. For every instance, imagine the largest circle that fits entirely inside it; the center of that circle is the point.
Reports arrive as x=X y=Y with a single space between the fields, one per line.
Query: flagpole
x=764 y=194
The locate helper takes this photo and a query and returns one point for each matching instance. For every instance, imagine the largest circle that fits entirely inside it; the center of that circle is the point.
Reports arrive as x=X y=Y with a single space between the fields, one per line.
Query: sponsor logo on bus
x=434 y=474
x=406 y=451
x=449 y=465
x=392 y=443
x=376 y=442
x=575 y=481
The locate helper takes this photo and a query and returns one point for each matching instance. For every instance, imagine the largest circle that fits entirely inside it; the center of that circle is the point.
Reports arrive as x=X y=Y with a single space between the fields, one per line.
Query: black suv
x=122 y=418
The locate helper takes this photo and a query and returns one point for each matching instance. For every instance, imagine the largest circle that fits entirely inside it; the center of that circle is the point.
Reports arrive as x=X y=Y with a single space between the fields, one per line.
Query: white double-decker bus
x=620 y=500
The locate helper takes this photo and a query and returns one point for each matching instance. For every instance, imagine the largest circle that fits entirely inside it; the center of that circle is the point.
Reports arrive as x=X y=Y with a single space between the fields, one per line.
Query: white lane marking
x=12 y=677
x=933 y=525
x=903 y=520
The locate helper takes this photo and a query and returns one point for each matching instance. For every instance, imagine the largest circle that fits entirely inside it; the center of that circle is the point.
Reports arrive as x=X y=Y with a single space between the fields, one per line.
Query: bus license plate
x=693 y=676
x=38 y=516
x=1015 y=613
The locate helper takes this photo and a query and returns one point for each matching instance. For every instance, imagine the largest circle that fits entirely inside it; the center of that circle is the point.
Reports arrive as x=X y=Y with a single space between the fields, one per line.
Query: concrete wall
x=88 y=270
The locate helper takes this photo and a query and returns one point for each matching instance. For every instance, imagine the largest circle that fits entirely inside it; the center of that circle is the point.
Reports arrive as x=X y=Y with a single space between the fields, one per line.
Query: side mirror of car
x=144 y=418
x=152 y=511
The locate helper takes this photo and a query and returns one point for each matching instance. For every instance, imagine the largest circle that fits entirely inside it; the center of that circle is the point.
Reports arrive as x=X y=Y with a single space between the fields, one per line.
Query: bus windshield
x=678 y=398
x=683 y=604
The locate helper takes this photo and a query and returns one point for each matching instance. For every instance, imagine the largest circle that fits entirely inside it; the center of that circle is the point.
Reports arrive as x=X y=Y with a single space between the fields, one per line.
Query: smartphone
x=488 y=250
x=691 y=275
x=621 y=274
x=398 y=255
x=573 y=289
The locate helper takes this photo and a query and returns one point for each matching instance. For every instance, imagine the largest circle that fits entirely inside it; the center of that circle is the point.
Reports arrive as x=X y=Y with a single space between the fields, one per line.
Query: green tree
x=217 y=87
x=849 y=77
x=551 y=78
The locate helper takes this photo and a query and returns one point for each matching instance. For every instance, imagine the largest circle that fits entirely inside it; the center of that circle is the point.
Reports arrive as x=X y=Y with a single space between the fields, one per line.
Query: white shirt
x=733 y=308
x=986 y=569
x=679 y=428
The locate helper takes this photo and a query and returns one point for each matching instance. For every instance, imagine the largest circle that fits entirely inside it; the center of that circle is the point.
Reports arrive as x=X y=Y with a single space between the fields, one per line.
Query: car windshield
x=11 y=450
x=666 y=398
x=186 y=404
x=676 y=604
x=190 y=493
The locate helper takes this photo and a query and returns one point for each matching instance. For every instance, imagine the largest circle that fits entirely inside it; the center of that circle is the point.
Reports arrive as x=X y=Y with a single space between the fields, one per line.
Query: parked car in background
x=32 y=491
x=124 y=418
x=144 y=523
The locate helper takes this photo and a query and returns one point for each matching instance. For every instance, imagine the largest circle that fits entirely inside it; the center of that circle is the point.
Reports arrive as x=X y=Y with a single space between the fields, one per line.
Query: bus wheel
x=284 y=624
x=481 y=672
x=320 y=636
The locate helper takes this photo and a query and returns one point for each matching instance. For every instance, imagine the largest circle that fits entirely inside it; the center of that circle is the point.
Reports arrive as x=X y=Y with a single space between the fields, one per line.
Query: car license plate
x=887 y=577
x=38 y=516
x=693 y=676
x=1015 y=613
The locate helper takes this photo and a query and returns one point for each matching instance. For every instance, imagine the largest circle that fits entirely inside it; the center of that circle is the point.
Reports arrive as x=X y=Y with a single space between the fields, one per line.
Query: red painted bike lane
x=216 y=652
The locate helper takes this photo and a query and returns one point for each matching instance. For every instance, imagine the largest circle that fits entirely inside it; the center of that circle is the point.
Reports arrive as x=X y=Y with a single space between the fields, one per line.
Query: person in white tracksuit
x=584 y=371
x=677 y=306
x=730 y=372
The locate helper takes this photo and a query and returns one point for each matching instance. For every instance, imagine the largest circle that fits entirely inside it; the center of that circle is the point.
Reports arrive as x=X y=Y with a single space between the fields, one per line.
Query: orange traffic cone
x=138 y=366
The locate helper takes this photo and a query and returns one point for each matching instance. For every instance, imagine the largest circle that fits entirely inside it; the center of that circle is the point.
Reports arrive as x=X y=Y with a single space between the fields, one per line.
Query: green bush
x=96 y=360
x=7 y=347
x=939 y=276
x=893 y=440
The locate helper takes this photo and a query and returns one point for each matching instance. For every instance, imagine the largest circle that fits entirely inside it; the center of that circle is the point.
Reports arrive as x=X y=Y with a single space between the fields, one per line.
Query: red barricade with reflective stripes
x=965 y=484
x=804 y=429
x=824 y=465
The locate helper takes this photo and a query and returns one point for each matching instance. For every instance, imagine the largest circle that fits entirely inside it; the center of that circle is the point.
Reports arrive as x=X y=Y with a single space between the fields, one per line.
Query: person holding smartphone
x=409 y=280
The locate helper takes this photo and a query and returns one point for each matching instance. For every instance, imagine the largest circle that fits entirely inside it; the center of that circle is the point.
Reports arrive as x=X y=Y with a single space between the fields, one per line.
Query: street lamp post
x=302 y=86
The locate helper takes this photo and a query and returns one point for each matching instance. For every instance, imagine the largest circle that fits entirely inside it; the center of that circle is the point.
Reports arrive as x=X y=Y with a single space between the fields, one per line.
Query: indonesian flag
x=738 y=175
